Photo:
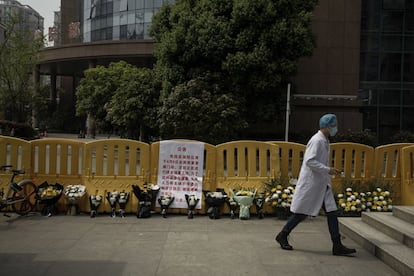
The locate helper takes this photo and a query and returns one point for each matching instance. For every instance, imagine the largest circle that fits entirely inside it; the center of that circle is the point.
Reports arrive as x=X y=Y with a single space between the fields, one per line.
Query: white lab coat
x=313 y=188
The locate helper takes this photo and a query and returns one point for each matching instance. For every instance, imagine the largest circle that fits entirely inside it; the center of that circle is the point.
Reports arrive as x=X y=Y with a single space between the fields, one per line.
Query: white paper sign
x=180 y=171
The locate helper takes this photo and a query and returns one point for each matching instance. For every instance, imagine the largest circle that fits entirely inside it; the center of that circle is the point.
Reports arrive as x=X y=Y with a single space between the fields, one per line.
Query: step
x=398 y=256
x=392 y=226
x=404 y=212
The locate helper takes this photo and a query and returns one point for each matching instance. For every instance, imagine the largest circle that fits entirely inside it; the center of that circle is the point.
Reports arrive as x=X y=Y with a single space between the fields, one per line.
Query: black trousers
x=332 y=218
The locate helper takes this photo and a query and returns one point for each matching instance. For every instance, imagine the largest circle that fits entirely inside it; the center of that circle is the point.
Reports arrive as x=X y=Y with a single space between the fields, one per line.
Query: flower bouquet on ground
x=352 y=202
x=146 y=198
x=244 y=198
x=259 y=201
x=95 y=201
x=279 y=197
x=215 y=201
x=73 y=194
x=112 y=198
x=122 y=201
x=192 y=201
x=232 y=206
x=165 y=202
x=48 y=195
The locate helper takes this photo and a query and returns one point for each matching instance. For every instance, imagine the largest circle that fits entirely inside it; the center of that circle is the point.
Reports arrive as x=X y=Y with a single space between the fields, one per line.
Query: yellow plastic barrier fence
x=354 y=160
x=407 y=175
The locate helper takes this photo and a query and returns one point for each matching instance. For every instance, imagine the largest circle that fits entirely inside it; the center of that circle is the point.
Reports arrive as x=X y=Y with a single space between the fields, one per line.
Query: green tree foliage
x=133 y=107
x=251 y=47
x=199 y=109
x=119 y=97
x=19 y=53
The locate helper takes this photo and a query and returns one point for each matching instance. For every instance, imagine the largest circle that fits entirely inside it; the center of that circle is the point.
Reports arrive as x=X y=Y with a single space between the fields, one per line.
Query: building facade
x=31 y=19
x=361 y=68
x=387 y=66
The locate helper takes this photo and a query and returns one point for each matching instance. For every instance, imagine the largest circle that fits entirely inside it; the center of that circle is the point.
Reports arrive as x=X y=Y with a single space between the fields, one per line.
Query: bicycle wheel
x=27 y=197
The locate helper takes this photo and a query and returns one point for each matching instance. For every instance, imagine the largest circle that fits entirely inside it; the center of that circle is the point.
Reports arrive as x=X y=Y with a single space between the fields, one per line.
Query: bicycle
x=21 y=195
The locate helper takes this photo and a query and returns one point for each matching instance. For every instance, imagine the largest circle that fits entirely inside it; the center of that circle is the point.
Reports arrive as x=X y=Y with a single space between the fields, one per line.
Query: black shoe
x=281 y=238
x=339 y=249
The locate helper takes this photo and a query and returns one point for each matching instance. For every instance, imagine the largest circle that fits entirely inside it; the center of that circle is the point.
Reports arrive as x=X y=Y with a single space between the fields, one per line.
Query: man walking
x=313 y=190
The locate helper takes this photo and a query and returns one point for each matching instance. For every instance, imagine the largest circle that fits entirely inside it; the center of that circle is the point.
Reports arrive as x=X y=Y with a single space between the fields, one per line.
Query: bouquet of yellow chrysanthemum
x=353 y=202
x=379 y=200
x=279 y=196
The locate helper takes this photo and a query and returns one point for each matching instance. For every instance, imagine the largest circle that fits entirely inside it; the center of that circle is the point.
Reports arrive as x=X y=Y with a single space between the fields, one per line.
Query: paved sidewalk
x=79 y=245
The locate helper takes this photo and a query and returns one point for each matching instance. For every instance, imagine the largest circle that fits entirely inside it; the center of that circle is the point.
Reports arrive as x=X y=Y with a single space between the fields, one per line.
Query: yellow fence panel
x=246 y=163
x=115 y=165
x=57 y=161
x=407 y=175
x=209 y=169
x=15 y=152
x=355 y=161
x=388 y=167
x=291 y=158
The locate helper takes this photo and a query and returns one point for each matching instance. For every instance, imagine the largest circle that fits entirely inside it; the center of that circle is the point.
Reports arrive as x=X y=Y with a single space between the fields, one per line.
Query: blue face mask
x=333 y=131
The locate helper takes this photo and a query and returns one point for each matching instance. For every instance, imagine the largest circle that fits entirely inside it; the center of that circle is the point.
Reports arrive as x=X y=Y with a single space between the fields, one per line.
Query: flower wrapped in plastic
x=146 y=197
x=73 y=194
x=112 y=198
x=192 y=201
x=244 y=198
x=94 y=202
x=215 y=201
x=48 y=195
x=122 y=201
x=232 y=206
x=165 y=202
x=259 y=201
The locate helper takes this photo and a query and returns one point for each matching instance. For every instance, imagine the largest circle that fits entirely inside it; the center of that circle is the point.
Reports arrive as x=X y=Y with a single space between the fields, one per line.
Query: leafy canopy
x=251 y=48
x=19 y=53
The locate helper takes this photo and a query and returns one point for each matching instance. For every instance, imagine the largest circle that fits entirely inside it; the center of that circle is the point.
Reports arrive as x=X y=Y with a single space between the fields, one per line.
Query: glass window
x=389 y=122
x=116 y=19
x=108 y=33
x=408 y=97
x=131 y=5
x=123 y=5
x=117 y=4
x=115 y=33
x=390 y=67
x=123 y=19
x=389 y=97
x=139 y=16
x=148 y=16
x=409 y=68
x=409 y=21
x=369 y=42
x=139 y=4
x=132 y=34
x=131 y=17
x=146 y=30
x=123 y=31
x=370 y=15
x=393 y=4
x=140 y=31
x=408 y=118
x=392 y=21
x=409 y=44
x=369 y=67
x=149 y=4
x=158 y=3
x=109 y=8
x=391 y=43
